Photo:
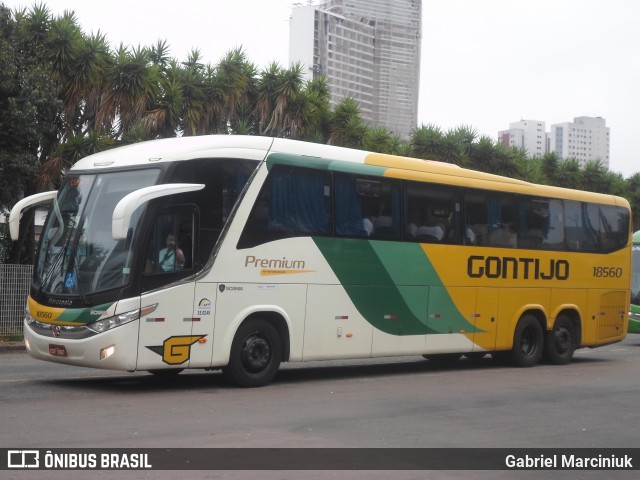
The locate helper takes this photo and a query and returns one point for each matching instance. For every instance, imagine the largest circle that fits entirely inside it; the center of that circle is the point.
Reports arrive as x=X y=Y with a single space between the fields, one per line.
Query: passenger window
x=540 y=223
x=432 y=213
x=490 y=216
x=614 y=227
x=581 y=226
x=367 y=207
x=293 y=202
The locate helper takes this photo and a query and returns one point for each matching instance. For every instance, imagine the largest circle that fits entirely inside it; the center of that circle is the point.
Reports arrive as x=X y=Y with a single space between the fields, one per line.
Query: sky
x=484 y=63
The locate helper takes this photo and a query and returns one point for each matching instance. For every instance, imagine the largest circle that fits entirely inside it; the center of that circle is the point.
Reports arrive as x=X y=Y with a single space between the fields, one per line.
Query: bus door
x=167 y=338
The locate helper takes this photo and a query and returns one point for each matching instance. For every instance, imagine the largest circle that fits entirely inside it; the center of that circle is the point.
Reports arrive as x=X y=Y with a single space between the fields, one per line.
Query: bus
x=240 y=253
x=634 y=309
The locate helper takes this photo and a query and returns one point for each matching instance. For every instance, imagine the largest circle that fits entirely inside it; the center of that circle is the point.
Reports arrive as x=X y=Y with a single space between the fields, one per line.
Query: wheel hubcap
x=256 y=353
x=528 y=342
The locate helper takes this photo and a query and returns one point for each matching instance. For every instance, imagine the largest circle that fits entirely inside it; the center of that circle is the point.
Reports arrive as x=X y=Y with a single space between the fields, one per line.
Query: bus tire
x=528 y=341
x=255 y=355
x=560 y=342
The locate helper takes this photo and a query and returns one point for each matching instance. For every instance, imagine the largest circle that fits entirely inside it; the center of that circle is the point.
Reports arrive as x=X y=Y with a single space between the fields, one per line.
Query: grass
x=11 y=338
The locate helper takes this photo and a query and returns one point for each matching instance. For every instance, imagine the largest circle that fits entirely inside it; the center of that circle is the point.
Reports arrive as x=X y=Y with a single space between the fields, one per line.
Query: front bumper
x=86 y=352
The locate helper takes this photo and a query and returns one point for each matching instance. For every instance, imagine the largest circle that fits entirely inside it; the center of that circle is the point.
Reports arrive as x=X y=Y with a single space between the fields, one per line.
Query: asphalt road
x=397 y=402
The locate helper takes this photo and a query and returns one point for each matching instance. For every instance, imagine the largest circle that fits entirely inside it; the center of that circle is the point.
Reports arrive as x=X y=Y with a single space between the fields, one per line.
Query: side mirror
x=18 y=208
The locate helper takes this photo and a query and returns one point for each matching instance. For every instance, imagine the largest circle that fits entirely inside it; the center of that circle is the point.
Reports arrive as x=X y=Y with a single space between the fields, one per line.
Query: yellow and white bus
x=244 y=252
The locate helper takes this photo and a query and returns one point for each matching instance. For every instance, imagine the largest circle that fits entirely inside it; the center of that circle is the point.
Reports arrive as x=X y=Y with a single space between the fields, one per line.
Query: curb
x=12 y=347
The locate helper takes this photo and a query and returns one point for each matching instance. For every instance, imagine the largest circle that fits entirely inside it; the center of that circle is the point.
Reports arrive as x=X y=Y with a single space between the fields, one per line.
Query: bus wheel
x=527 y=342
x=560 y=342
x=255 y=354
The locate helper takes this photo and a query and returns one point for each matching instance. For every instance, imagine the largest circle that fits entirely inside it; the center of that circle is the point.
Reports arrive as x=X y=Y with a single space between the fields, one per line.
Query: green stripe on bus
x=388 y=282
x=84 y=315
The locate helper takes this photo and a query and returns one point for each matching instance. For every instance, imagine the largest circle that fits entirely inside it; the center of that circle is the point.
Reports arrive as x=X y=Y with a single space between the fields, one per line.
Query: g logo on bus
x=56 y=331
x=176 y=350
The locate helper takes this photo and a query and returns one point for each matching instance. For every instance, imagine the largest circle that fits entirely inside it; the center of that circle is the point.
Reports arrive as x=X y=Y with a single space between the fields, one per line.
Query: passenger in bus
x=367 y=226
x=171 y=257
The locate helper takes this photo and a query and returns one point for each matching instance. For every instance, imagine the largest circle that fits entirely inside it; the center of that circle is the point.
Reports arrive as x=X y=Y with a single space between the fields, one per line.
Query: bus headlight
x=103 y=325
x=28 y=318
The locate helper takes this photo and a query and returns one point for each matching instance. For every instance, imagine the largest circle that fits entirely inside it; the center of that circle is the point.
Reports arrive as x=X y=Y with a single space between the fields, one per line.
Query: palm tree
x=594 y=177
x=347 y=129
x=192 y=83
x=286 y=117
x=266 y=92
x=63 y=43
x=34 y=25
x=482 y=153
x=378 y=139
x=530 y=170
x=549 y=166
x=452 y=149
x=505 y=161
x=427 y=142
x=317 y=103
x=159 y=55
x=568 y=174
x=134 y=85
x=86 y=81
x=236 y=77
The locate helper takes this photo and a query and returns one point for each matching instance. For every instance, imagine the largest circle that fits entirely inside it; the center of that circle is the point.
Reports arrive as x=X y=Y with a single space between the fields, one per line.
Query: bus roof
x=257 y=148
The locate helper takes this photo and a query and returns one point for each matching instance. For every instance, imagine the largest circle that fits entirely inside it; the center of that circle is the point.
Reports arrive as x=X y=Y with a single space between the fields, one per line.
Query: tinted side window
x=490 y=218
x=367 y=207
x=224 y=181
x=614 y=227
x=433 y=213
x=581 y=226
x=540 y=223
x=293 y=202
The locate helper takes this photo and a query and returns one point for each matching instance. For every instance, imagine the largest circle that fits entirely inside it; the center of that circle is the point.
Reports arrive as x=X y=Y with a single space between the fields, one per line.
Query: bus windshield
x=77 y=253
x=635 y=277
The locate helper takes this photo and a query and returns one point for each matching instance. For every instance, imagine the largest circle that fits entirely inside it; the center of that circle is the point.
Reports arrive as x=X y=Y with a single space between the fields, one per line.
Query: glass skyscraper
x=367 y=49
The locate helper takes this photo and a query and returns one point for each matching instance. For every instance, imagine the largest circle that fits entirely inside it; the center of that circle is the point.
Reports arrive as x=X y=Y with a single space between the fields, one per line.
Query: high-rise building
x=529 y=135
x=368 y=50
x=585 y=139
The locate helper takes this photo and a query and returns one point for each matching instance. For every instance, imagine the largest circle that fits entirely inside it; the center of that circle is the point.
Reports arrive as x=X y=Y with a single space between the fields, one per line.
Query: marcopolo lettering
x=517 y=268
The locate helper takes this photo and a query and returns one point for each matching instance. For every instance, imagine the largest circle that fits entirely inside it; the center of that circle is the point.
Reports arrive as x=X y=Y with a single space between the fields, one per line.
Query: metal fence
x=14 y=289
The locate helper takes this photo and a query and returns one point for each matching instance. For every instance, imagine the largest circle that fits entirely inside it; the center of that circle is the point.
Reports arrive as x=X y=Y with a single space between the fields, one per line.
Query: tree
x=347 y=129
x=481 y=154
x=568 y=174
x=29 y=108
x=426 y=142
x=594 y=178
x=549 y=167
